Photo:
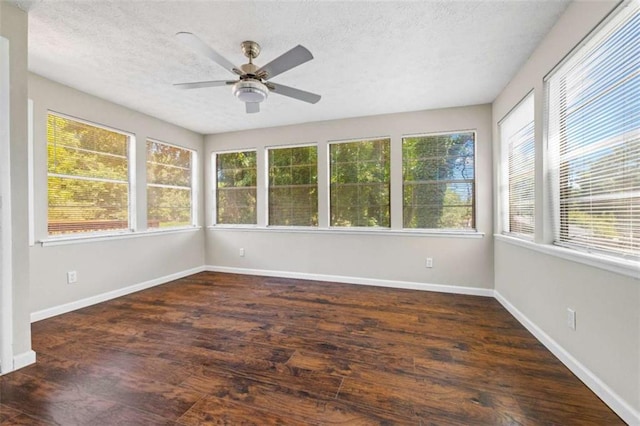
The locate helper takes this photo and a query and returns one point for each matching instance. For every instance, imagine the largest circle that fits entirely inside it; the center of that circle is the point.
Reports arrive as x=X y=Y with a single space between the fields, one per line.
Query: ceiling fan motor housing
x=250 y=90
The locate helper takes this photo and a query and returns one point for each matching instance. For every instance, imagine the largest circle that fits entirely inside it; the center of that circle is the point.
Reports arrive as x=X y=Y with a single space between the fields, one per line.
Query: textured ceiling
x=370 y=57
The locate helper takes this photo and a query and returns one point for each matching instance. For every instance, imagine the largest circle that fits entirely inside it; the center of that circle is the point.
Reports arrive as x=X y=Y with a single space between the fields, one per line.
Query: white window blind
x=169 y=185
x=594 y=137
x=438 y=172
x=518 y=170
x=88 y=177
x=293 y=186
x=236 y=190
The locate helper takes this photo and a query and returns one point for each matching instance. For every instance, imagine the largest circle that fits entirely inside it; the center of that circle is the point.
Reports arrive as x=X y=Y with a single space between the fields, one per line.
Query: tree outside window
x=439 y=181
x=360 y=183
x=236 y=193
x=88 y=177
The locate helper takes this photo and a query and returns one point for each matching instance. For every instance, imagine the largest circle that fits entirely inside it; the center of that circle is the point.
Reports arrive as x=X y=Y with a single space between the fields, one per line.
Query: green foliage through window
x=293 y=186
x=439 y=181
x=88 y=177
x=236 y=188
x=360 y=183
x=169 y=185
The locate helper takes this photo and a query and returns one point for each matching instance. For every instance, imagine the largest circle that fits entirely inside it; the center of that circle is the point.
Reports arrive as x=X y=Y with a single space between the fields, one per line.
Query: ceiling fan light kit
x=253 y=86
x=250 y=91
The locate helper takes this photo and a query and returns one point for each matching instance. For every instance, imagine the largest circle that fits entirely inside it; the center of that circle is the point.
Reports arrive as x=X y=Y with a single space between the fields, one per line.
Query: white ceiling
x=370 y=57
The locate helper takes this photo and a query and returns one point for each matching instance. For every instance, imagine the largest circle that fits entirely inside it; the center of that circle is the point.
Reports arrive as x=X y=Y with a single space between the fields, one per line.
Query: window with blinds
x=360 y=183
x=594 y=137
x=236 y=178
x=293 y=186
x=518 y=170
x=87 y=177
x=439 y=181
x=169 y=185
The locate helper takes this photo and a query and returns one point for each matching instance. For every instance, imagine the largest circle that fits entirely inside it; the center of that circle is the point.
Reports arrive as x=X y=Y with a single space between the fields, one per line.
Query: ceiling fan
x=252 y=86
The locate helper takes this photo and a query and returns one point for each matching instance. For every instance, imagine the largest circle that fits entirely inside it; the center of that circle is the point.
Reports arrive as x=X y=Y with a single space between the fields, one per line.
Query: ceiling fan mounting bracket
x=251 y=49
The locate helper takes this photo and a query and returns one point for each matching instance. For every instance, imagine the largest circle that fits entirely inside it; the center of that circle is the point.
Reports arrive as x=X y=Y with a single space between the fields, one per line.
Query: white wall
x=13 y=26
x=104 y=266
x=542 y=286
x=458 y=261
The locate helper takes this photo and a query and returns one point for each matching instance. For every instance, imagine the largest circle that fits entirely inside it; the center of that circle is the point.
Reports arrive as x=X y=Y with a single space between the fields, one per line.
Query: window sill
x=626 y=267
x=349 y=231
x=92 y=238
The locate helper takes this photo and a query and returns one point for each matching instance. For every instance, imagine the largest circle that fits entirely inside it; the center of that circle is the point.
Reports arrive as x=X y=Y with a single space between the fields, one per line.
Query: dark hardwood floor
x=230 y=349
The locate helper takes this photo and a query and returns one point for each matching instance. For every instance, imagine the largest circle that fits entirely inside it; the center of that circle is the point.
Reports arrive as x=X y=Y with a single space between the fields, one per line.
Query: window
x=438 y=181
x=594 y=137
x=170 y=180
x=236 y=188
x=360 y=183
x=517 y=185
x=293 y=186
x=88 y=177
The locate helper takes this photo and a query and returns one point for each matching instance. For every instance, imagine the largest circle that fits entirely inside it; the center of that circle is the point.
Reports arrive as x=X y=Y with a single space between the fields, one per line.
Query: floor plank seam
x=203 y=397
x=339 y=387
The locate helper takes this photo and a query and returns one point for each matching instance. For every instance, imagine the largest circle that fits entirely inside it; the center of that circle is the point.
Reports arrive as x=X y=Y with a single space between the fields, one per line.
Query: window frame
x=131 y=180
x=390 y=185
x=503 y=192
x=214 y=180
x=267 y=186
x=544 y=235
x=602 y=258
x=474 y=228
x=194 y=186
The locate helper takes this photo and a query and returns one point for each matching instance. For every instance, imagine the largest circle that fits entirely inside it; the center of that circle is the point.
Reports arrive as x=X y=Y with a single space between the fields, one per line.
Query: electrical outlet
x=571 y=318
x=429 y=263
x=241 y=252
x=72 y=277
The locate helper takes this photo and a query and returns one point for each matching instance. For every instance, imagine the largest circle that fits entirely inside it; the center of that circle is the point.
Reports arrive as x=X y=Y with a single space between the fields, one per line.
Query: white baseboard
x=604 y=392
x=441 y=288
x=83 y=303
x=24 y=359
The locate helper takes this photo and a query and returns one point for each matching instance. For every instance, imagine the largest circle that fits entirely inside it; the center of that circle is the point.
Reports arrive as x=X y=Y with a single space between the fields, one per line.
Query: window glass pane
x=359 y=192
x=169 y=186
x=293 y=186
x=236 y=188
x=594 y=139
x=518 y=170
x=439 y=181
x=88 y=183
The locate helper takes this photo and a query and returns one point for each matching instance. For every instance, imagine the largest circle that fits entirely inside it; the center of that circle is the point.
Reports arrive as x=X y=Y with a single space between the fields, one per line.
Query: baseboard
x=24 y=359
x=83 y=303
x=604 y=392
x=441 y=288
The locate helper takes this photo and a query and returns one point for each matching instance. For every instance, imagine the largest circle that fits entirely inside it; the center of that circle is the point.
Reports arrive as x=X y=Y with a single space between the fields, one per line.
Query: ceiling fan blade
x=200 y=84
x=196 y=44
x=291 y=59
x=252 y=107
x=301 y=95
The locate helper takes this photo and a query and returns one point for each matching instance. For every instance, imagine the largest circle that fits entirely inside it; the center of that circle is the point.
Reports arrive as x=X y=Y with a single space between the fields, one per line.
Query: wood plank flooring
x=230 y=349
